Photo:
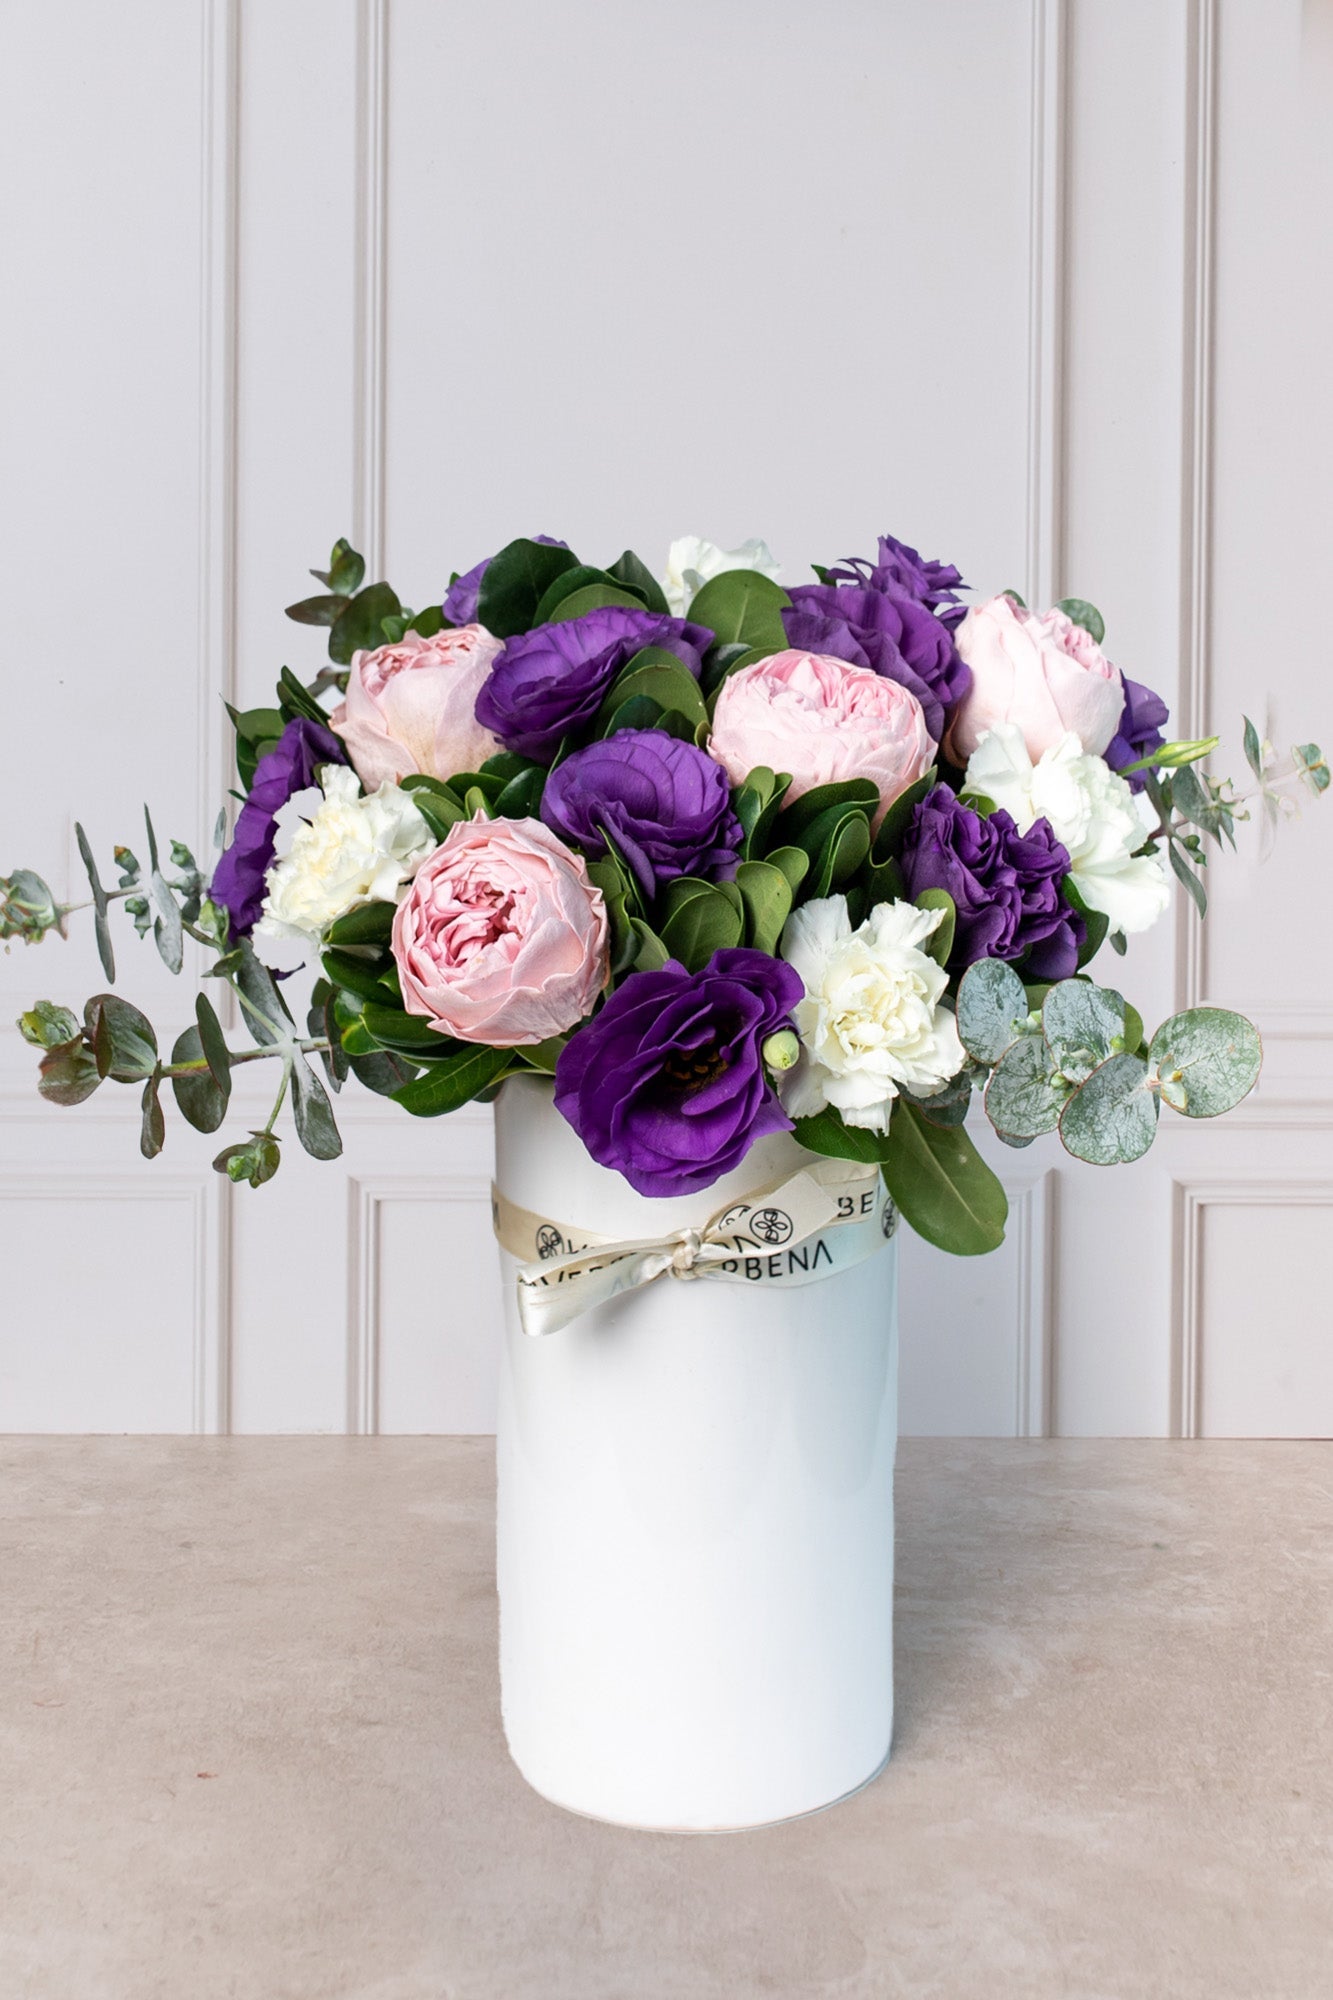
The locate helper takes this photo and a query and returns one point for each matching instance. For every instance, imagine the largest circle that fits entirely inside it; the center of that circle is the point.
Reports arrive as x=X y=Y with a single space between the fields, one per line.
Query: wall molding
x=366 y=1199
x=1032 y=1225
x=208 y=1220
x=1047 y=280
x=1191 y=1200
x=370 y=304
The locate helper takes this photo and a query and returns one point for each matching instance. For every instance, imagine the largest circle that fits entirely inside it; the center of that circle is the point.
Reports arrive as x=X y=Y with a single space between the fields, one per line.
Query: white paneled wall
x=1044 y=288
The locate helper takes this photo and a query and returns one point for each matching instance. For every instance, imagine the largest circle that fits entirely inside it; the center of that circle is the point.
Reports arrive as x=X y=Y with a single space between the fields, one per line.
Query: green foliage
x=100 y=925
x=1083 y=1025
x=67 y=1073
x=368 y=923
x=635 y=575
x=28 y=910
x=757 y=804
x=767 y=896
x=515 y=582
x=992 y=1009
x=700 y=918
x=121 y=1038
x=940 y=942
x=254 y=1163
x=1205 y=1060
x=825 y=1133
x=942 y=1186
x=47 y=1026
x=315 y=1126
x=1025 y=1096
x=200 y=1100
x=740 y=607
x=1084 y=614
x=346 y=571
x=360 y=625
x=1112 y=1117
x=152 y=1125
x=658 y=676
x=447 y=1085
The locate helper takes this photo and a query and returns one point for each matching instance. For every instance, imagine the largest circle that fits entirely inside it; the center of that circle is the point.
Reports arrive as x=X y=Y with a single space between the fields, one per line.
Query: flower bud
x=782 y=1050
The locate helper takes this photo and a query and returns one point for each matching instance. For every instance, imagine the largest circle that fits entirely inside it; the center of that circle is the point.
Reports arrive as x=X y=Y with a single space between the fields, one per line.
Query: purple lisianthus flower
x=879 y=628
x=238 y=879
x=900 y=569
x=665 y=804
x=550 y=682
x=460 y=603
x=1138 y=732
x=667 y=1084
x=1005 y=885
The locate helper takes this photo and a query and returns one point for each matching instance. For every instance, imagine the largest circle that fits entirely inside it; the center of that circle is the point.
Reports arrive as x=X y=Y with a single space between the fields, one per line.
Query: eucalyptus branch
x=311 y=1046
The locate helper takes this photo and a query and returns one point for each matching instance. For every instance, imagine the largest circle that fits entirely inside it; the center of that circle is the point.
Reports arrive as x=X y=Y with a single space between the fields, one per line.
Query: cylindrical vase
x=695 y=1514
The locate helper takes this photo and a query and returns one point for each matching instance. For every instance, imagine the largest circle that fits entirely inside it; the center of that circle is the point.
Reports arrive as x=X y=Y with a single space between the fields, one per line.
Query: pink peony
x=822 y=720
x=501 y=937
x=1043 y=673
x=409 y=707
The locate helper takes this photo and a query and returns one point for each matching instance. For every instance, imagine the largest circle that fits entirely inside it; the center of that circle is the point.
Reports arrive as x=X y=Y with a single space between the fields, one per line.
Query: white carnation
x=871 y=1020
x=692 y=562
x=354 y=850
x=1092 y=812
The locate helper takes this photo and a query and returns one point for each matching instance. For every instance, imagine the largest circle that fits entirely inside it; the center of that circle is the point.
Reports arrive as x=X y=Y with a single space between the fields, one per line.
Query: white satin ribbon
x=828 y=1215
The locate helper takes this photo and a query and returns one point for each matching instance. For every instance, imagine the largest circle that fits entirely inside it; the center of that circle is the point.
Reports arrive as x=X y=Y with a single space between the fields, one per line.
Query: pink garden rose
x=409 y=707
x=501 y=937
x=1041 y=672
x=822 y=720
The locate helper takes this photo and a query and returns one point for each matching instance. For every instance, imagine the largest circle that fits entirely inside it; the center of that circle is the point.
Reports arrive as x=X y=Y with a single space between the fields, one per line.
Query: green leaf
x=651 y=954
x=521 y=797
x=579 y=577
x=949 y=1104
x=793 y=862
x=840 y=854
x=992 y=1009
x=318 y=610
x=168 y=929
x=405 y=1034
x=1083 y=1025
x=801 y=816
x=363 y=976
x=542 y=1056
x=1084 y=614
x=941 y=1184
x=346 y=569
x=893 y=826
x=1024 y=1097
x=1206 y=1060
x=1112 y=1117
x=1312 y=766
x=360 y=628
x=700 y=920
x=1195 y=798
x=200 y=1101
x=427 y=622
x=47 y=1026
x=255 y=1163
x=446 y=1086
x=368 y=923
x=438 y=804
x=660 y=676
x=1184 y=873
x=100 y=924
x=152 y=1125
x=1254 y=755
x=1172 y=756
x=740 y=607
x=825 y=1133
x=67 y=1074
x=767 y=895
x=266 y=1017
x=593 y=597
x=636 y=575
x=1095 y=922
x=940 y=943
x=121 y=1038
x=315 y=1126
x=381 y=1072
x=608 y=875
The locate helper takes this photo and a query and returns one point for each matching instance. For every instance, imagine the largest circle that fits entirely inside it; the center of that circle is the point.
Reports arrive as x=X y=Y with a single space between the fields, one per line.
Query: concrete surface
x=249 y=1743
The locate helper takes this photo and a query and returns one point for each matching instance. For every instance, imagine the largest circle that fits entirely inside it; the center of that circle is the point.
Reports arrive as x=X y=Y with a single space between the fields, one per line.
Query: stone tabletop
x=250 y=1743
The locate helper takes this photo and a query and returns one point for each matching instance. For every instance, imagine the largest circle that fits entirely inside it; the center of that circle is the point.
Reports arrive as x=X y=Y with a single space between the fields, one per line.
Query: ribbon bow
x=825 y=1216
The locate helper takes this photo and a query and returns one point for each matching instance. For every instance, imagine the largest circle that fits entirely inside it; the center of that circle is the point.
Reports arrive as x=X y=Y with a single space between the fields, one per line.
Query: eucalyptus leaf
x=318 y=610
x=1083 y=1025
x=315 y=1126
x=67 y=1074
x=121 y=1038
x=360 y=626
x=1254 y=755
x=254 y=1163
x=200 y=1102
x=152 y=1125
x=992 y=1009
x=1206 y=1060
x=101 y=927
x=265 y=1016
x=1185 y=874
x=46 y=1025
x=942 y=1186
x=168 y=929
x=1024 y=1096
x=1112 y=1117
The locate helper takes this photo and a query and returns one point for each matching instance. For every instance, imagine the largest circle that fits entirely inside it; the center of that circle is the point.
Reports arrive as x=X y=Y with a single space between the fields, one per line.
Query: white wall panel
x=1041 y=287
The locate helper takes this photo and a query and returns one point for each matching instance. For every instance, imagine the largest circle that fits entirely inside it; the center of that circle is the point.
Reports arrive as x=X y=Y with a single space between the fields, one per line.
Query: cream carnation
x=1092 y=813
x=692 y=562
x=871 y=1021
x=354 y=850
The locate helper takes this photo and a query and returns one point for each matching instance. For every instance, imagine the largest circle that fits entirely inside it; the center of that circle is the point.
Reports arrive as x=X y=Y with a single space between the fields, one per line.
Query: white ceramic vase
x=695 y=1516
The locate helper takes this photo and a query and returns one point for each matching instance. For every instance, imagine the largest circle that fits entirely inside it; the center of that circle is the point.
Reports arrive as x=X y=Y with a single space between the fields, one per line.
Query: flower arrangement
x=722 y=858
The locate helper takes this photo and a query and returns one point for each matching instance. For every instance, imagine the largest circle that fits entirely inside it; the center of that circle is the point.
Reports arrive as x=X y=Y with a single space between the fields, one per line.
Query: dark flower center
x=688 y=1070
